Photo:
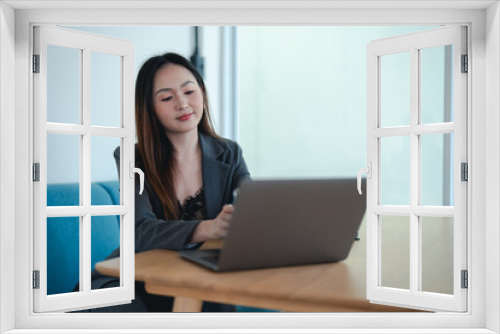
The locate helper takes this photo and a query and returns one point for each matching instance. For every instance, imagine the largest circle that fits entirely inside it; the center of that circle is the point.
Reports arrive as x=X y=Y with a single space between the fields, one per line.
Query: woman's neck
x=185 y=144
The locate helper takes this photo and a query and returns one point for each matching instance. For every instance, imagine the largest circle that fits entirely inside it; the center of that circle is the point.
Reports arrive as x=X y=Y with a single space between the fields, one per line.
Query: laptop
x=279 y=223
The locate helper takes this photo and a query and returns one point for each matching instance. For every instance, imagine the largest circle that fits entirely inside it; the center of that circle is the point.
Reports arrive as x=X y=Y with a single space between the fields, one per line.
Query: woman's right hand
x=214 y=228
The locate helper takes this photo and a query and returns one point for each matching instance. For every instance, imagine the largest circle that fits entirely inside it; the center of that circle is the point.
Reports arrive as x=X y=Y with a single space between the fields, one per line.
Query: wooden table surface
x=330 y=287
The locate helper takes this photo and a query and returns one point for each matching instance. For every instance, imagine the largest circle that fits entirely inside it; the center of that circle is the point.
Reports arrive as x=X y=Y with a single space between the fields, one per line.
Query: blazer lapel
x=214 y=175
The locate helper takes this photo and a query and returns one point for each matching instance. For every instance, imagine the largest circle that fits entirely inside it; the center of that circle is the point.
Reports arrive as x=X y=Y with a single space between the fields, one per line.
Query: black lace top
x=194 y=207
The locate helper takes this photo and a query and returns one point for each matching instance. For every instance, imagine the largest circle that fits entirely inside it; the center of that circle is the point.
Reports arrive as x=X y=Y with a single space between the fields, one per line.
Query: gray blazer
x=223 y=168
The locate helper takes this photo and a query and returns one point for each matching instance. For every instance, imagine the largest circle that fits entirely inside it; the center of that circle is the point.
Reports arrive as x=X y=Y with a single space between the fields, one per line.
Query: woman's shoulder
x=228 y=143
x=138 y=160
x=220 y=143
x=116 y=152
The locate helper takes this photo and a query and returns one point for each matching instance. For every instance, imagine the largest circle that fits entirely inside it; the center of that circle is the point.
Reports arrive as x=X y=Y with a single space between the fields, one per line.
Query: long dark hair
x=155 y=149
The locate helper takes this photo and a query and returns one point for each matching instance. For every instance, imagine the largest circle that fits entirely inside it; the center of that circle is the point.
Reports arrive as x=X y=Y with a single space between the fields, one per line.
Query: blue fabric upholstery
x=112 y=187
x=63 y=234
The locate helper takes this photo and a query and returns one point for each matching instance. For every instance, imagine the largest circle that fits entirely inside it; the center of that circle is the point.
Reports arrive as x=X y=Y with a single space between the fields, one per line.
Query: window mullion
x=127 y=238
x=414 y=170
x=85 y=163
x=76 y=129
x=429 y=129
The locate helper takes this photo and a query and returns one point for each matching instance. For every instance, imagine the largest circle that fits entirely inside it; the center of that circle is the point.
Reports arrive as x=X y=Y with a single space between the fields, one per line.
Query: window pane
x=436 y=84
x=104 y=171
x=105 y=89
x=395 y=170
x=395 y=89
x=105 y=237
x=63 y=254
x=395 y=251
x=63 y=169
x=437 y=169
x=437 y=254
x=63 y=84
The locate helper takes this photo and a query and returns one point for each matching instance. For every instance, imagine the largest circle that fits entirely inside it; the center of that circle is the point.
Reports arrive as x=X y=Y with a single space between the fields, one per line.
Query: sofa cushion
x=112 y=187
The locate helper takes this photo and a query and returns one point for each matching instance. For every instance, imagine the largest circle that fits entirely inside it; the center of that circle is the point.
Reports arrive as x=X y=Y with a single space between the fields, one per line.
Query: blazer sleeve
x=152 y=232
x=241 y=170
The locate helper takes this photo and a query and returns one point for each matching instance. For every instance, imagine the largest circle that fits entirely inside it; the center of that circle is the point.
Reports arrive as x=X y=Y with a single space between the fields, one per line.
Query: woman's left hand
x=214 y=228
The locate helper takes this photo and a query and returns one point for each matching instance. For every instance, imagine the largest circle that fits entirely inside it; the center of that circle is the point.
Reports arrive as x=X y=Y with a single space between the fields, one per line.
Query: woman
x=190 y=172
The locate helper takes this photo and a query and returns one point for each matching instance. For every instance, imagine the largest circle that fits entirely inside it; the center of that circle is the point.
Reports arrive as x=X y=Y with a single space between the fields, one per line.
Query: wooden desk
x=331 y=287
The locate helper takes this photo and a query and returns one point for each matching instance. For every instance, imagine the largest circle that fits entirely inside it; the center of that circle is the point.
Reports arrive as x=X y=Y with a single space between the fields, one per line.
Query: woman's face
x=177 y=99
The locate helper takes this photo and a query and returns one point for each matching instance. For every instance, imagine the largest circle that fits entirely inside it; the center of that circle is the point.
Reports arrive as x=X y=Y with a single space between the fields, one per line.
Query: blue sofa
x=63 y=236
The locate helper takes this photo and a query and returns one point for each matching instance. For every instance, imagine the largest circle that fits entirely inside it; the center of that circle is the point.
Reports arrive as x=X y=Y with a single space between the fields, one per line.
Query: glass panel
x=105 y=90
x=63 y=254
x=395 y=170
x=104 y=171
x=437 y=254
x=105 y=238
x=395 y=89
x=436 y=84
x=63 y=169
x=319 y=107
x=395 y=251
x=63 y=84
x=437 y=169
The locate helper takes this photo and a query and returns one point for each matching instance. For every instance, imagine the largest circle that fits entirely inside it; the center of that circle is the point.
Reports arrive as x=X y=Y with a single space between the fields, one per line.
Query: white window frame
x=85 y=43
x=413 y=44
x=484 y=149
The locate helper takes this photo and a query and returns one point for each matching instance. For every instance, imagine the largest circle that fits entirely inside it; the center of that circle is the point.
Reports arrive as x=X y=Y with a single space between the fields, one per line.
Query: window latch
x=133 y=170
x=368 y=171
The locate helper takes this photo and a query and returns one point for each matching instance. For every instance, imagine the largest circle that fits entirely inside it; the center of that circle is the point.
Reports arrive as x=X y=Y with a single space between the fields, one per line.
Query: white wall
x=302 y=105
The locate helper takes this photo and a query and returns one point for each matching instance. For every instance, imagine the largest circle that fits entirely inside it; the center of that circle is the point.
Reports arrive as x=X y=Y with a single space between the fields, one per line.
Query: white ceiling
x=254 y=4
